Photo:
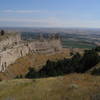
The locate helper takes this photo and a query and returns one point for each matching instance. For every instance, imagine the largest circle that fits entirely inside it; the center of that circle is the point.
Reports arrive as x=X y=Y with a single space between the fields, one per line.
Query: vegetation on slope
x=78 y=64
x=95 y=70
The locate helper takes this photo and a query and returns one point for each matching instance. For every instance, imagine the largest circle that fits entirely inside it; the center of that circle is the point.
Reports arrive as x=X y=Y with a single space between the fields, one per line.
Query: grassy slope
x=20 y=67
x=69 y=87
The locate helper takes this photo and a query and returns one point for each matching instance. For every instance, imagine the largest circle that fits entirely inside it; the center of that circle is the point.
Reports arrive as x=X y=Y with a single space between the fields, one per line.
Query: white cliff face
x=56 y=44
x=12 y=48
x=9 y=40
x=11 y=55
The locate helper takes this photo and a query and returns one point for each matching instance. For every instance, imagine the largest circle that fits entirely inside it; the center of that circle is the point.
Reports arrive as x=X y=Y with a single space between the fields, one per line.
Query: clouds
x=22 y=11
x=48 y=22
x=42 y=22
x=44 y=18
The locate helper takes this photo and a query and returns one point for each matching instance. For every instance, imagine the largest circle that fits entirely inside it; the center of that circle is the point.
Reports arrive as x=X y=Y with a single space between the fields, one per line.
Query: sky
x=50 y=13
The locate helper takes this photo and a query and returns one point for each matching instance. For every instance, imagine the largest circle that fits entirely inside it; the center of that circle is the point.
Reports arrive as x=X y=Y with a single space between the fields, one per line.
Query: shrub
x=96 y=71
x=2 y=32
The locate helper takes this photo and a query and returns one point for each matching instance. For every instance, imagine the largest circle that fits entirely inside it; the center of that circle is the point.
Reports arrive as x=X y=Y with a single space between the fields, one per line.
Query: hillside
x=69 y=87
x=21 y=66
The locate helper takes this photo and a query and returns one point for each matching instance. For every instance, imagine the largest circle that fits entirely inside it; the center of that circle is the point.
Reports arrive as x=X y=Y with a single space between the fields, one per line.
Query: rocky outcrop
x=12 y=48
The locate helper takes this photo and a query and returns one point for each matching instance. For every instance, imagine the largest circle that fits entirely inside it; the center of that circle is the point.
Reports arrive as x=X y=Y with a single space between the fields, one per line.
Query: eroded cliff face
x=12 y=48
x=35 y=60
x=8 y=50
x=11 y=55
x=8 y=40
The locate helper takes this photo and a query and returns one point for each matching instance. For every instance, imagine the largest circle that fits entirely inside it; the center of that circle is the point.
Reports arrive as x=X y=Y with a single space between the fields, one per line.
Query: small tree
x=96 y=71
x=97 y=49
x=90 y=59
x=32 y=73
x=2 y=32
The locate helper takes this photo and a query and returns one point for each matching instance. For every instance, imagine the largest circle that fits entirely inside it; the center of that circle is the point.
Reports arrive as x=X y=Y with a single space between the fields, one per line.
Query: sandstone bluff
x=12 y=47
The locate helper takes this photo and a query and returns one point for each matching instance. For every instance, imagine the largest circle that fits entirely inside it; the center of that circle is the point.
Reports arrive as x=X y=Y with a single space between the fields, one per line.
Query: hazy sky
x=50 y=13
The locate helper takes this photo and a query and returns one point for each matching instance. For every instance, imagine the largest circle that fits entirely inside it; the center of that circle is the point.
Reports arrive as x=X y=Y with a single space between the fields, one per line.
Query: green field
x=70 y=40
x=76 y=44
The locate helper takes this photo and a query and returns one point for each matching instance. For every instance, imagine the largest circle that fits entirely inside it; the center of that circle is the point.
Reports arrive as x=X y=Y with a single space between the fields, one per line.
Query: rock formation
x=13 y=47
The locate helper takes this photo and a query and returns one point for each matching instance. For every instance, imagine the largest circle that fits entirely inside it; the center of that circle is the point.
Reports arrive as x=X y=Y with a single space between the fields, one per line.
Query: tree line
x=76 y=64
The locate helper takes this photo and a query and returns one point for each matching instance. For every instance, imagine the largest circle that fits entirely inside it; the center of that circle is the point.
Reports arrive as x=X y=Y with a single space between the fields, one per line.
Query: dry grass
x=69 y=87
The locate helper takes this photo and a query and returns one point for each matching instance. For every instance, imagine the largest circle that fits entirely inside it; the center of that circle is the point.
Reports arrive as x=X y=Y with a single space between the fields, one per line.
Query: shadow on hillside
x=76 y=64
